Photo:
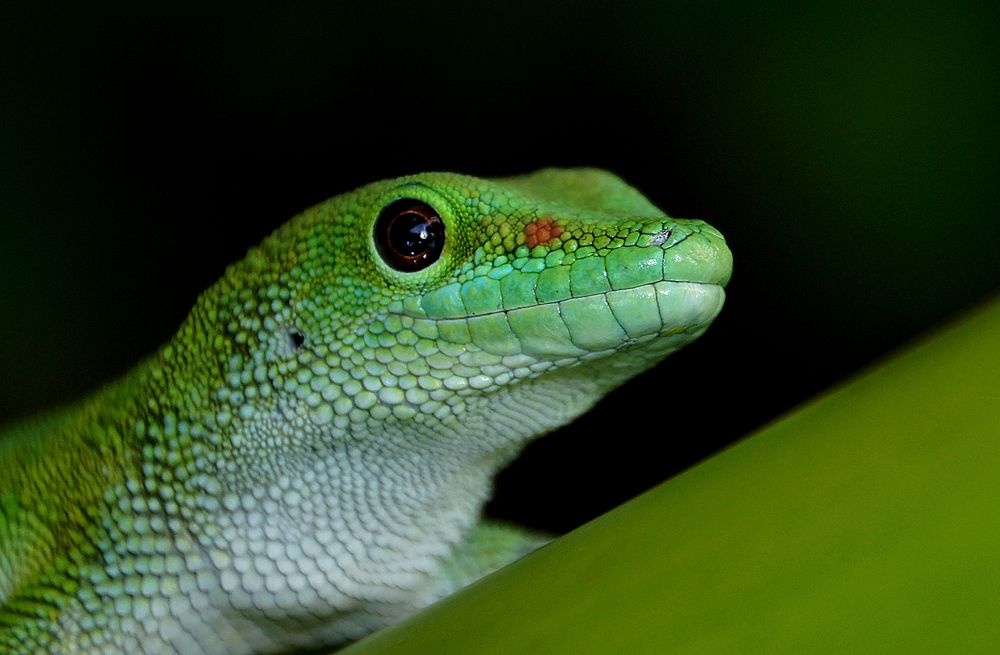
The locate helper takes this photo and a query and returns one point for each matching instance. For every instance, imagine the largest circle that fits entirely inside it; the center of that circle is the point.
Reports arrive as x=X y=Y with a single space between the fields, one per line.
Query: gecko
x=307 y=459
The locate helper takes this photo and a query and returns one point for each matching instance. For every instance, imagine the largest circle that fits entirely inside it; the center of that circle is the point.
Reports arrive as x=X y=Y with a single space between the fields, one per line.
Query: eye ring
x=409 y=235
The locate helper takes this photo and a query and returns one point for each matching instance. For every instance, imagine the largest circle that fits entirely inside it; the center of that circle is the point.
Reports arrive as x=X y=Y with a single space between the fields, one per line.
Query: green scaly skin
x=307 y=459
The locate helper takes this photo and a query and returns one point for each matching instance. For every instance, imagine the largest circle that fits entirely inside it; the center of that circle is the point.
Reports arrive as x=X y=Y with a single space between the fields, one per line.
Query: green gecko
x=306 y=460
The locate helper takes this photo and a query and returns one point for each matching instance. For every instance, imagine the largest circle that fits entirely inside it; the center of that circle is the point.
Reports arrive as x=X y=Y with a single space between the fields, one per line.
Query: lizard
x=306 y=460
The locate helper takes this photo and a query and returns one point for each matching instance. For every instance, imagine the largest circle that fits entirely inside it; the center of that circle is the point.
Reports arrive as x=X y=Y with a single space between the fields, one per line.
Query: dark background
x=850 y=155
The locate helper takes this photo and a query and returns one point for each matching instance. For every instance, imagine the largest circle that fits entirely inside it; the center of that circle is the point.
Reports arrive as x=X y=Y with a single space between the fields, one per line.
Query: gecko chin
x=553 y=381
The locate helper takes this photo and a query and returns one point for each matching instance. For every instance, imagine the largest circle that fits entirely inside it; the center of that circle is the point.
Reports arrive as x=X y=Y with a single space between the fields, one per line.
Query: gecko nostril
x=661 y=237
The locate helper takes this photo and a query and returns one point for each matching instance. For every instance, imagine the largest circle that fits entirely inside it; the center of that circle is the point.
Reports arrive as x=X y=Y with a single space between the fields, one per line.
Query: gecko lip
x=591 y=325
x=672 y=311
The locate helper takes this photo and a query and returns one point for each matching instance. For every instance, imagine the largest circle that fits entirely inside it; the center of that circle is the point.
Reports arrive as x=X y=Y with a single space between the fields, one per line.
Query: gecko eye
x=409 y=235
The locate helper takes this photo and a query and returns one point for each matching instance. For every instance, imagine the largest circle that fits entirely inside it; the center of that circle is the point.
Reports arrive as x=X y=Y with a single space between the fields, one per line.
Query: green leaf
x=866 y=521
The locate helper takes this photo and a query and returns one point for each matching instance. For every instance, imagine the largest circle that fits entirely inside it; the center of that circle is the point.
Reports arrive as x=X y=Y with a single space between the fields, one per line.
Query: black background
x=849 y=155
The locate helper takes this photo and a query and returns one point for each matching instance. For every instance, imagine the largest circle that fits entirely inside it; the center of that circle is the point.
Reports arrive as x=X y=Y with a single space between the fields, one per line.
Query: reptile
x=307 y=459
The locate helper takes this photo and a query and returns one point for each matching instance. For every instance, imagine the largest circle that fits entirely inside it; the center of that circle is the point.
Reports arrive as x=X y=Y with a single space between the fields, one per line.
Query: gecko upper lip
x=603 y=323
x=593 y=325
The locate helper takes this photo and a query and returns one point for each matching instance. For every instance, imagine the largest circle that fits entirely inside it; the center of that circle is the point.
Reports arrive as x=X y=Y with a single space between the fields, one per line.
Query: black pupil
x=409 y=235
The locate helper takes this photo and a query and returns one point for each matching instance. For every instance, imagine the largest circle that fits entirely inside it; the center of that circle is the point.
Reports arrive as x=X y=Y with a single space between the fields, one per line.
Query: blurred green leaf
x=866 y=521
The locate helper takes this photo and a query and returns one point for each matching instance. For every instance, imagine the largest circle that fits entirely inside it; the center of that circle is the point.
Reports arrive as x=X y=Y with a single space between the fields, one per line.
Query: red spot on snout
x=540 y=232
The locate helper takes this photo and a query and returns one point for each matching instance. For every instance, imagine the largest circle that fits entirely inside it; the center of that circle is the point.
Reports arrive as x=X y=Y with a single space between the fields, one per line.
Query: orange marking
x=541 y=232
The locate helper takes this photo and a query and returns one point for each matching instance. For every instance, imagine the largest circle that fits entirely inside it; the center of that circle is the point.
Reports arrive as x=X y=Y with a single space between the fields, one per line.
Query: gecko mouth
x=670 y=294
x=591 y=326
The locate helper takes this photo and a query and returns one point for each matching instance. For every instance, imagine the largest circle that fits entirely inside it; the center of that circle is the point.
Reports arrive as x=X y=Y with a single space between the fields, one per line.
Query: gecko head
x=423 y=296
x=358 y=378
x=550 y=270
x=440 y=298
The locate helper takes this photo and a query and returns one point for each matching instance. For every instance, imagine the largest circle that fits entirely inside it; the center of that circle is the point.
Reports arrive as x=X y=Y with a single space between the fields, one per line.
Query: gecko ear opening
x=295 y=339
x=409 y=235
